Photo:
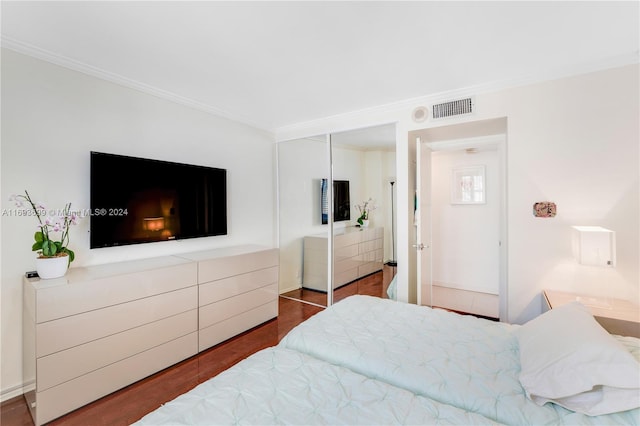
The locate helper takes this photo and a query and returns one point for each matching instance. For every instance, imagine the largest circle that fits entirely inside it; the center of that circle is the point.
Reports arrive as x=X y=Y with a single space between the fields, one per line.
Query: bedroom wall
x=52 y=117
x=573 y=140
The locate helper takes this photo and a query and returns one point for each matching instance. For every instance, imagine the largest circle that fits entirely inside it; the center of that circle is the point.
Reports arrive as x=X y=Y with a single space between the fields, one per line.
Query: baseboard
x=469 y=301
x=295 y=287
x=17 y=390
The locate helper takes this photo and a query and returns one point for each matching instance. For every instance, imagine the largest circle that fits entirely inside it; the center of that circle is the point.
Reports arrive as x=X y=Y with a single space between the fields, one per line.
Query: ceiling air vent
x=453 y=108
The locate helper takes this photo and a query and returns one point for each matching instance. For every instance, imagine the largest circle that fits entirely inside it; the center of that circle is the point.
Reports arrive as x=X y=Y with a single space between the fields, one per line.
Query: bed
x=367 y=360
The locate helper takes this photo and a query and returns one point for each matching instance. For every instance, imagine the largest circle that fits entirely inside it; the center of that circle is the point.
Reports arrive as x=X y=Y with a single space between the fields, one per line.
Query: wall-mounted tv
x=341 y=201
x=137 y=200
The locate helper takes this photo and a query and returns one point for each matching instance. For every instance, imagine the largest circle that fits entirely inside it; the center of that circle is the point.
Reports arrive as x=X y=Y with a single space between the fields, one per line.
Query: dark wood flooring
x=375 y=284
x=133 y=402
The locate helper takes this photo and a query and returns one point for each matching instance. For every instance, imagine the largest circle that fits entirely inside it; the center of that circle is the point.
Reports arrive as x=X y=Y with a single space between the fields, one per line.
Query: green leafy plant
x=50 y=222
x=365 y=208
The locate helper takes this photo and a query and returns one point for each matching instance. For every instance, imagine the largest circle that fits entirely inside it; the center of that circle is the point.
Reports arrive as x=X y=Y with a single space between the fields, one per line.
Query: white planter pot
x=52 y=267
x=365 y=223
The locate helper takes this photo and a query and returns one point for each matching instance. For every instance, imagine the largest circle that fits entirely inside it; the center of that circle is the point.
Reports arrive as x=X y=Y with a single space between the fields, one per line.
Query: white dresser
x=357 y=252
x=237 y=290
x=103 y=327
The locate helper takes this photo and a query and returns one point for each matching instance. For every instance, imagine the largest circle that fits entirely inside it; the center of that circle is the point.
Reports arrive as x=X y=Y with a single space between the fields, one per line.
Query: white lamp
x=594 y=245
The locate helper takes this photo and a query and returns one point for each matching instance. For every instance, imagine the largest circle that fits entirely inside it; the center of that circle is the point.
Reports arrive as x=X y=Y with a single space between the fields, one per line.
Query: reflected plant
x=365 y=208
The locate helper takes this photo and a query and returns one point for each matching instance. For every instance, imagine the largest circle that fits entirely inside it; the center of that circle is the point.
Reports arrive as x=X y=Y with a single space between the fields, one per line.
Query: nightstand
x=617 y=316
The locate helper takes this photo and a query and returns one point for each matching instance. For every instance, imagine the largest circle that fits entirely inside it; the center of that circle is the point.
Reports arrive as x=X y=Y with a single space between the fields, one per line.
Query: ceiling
x=369 y=138
x=275 y=64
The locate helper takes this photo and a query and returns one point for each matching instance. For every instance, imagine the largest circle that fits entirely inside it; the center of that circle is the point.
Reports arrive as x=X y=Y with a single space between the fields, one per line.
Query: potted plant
x=54 y=255
x=365 y=208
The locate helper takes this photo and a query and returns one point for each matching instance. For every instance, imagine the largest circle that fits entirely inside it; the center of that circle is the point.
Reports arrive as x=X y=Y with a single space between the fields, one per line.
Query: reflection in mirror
x=363 y=164
x=362 y=244
x=302 y=166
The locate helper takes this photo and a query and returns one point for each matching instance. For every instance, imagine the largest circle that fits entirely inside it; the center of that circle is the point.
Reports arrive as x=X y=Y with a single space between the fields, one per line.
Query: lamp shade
x=594 y=245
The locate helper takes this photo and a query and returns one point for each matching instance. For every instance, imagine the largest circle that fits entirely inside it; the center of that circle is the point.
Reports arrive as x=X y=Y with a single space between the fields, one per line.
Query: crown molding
x=379 y=114
x=66 y=62
x=328 y=124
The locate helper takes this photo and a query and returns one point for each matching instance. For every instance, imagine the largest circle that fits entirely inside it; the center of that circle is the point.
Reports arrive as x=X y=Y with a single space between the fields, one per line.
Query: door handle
x=420 y=246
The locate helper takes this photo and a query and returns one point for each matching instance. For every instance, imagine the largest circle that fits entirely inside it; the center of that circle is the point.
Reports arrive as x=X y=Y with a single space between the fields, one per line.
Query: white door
x=423 y=222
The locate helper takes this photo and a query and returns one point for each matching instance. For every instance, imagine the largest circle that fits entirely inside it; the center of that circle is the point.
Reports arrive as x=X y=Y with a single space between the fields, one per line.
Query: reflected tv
x=341 y=201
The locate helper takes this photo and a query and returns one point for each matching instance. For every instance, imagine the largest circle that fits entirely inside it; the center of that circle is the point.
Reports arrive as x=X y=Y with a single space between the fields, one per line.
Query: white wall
x=349 y=164
x=52 y=117
x=379 y=170
x=464 y=245
x=572 y=140
x=370 y=171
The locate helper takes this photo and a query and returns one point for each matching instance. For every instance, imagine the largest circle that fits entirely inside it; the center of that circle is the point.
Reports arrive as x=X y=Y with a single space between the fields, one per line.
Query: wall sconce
x=153 y=223
x=594 y=245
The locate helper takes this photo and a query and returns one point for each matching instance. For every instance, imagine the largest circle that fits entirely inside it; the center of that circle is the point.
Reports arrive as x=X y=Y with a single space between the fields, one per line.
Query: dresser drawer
x=345 y=265
x=344 y=277
x=371 y=256
x=371 y=245
x=219 y=311
x=74 y=362
x=223 y=267
x=348 y=239
x=228 y=287
x=345 y=252
x=369 y=268
x=97 y=289
x=368 y=234
x=64 y=333
x=223 y=330
x=70 y=395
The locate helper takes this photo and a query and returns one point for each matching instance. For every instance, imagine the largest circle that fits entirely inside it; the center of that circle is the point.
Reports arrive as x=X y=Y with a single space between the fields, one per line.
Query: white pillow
x=567 y=358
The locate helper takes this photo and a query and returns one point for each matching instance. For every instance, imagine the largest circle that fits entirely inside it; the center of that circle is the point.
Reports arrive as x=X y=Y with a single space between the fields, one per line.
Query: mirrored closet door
x=303 y=173
x=363 y=161
x=325 y=184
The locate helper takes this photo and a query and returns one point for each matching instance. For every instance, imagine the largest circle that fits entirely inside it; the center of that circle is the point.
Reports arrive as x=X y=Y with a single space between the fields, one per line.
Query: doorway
x=461 y=218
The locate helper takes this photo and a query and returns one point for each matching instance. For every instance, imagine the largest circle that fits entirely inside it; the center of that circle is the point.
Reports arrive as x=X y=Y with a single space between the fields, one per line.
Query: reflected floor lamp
x=392 y=262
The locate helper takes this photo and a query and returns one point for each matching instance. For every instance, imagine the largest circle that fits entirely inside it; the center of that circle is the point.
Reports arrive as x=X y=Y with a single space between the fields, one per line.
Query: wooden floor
x=133 y=402
x=375 y=284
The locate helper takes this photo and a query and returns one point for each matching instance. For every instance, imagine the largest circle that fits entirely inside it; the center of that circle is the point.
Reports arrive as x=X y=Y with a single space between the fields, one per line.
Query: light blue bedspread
x=462 y=361
x=281 y=386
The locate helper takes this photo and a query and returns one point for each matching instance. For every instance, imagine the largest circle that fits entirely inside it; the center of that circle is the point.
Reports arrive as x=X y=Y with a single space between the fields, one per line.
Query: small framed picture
x=468 y=185
x=544 y=209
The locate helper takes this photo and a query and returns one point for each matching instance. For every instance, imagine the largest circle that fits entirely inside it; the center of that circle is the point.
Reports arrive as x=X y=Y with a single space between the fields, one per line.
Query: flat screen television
x=137 y=200
x=341 y=201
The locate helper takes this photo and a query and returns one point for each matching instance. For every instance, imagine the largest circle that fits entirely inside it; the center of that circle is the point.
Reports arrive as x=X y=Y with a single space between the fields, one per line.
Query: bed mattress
x=461 y=361
x=283 y=386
